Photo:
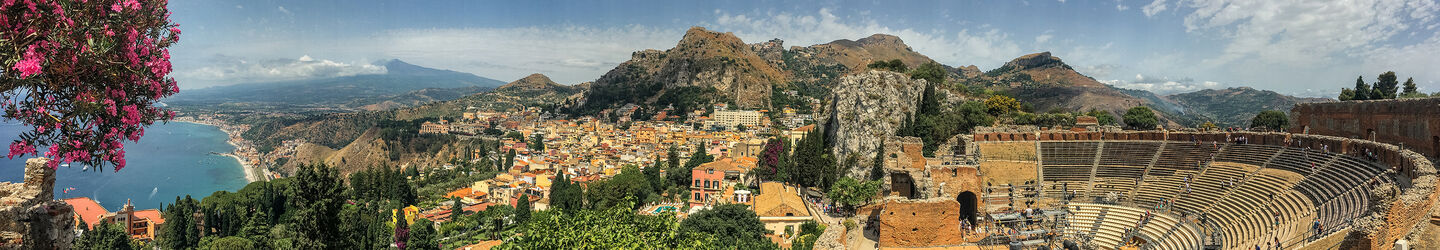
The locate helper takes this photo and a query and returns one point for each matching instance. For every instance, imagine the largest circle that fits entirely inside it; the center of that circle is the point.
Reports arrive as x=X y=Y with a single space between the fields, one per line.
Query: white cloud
x=1120 y=5
x=1062 y=1
x=224 y=70
x=283 y=10
x=1042 y=38
x=1154 y=8
x=984 y=46
x=1302 y=32
x=1163 y=85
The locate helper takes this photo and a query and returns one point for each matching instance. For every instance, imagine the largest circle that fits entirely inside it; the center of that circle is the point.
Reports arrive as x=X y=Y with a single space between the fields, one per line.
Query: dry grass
x=1001 y=172
x=1007 y=151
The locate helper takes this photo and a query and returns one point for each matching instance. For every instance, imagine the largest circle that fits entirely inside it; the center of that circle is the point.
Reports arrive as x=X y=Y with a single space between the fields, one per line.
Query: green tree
x=1104 y=117
x=537 y=142
x=423 y=236
x=1271 y=119
x=877 y=169
x=457 y=208
x=105 y=236
x=850 y=192
x=731 y=223
x=401 y=237
x=1141 y=117
x=617 y=227
x=1412 y=91
x=316 y=195
x=1346 y=94
x=629 y=184
x=814 y=167
x=233 y=243
x=522 y=210
x=698 y=157
x=509 y=161
x=931 y=72
x=180 y=230
x=1387 y=85
x=1362 y=90
x=565 y=195
x=652 y=174
x=891 y=65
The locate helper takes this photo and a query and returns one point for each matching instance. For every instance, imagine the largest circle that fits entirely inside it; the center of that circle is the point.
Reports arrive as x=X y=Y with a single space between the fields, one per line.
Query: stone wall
x=920 y=223
x=1414 y=123
x=1384 y=224
x=32 y=218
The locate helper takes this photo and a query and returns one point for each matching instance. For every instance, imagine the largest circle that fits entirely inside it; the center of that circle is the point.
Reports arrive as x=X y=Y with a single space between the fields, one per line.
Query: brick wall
x=1412 y=122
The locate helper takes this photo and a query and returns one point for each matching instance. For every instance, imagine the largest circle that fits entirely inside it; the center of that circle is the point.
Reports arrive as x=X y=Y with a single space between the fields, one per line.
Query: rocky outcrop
x=704 y=59
x=32 y=218
x=868 y=107
x=1036 y=60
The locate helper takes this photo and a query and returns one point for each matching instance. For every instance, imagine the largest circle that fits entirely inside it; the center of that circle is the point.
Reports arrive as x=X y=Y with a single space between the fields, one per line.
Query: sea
x=173 y=159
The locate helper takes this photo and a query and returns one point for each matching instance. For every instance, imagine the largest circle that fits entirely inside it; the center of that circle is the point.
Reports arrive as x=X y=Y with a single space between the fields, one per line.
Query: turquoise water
x=170 y=160
x=662 y=209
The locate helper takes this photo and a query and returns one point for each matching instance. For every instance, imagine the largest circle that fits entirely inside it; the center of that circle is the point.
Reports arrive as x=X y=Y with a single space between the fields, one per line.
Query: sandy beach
x=251 y=171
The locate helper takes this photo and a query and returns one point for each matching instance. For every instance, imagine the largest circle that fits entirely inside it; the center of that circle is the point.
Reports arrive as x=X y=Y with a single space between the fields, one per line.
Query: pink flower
x=29 y=65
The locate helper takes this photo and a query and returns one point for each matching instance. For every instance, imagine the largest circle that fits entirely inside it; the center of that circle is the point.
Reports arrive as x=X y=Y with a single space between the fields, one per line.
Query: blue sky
x=1298 y=47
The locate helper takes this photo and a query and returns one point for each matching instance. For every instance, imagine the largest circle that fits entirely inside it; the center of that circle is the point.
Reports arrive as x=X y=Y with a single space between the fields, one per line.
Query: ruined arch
x=903 y=185
x=969 y=205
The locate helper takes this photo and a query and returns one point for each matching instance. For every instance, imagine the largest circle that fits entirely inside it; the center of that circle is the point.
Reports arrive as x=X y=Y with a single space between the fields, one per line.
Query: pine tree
x=522 y=210
x=1387 y=86
x=878 y=171
x=1362 y=90
x=457 y=209
x=423 y=236
x=105 y=236
x=1410 y=88
x=402 y=229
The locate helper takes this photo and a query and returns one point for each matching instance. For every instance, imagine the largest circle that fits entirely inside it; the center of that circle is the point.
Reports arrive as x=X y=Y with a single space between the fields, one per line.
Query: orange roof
x=152 y=215
x=88 y=210
x=482 y=245
x=459 y=193
x=806 y=128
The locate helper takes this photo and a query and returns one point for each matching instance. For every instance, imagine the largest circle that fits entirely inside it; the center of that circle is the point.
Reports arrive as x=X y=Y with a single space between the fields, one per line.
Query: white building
x=729 y=118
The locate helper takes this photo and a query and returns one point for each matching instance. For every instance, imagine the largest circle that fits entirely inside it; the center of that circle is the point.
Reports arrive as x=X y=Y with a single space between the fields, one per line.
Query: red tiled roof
x=153 y=215
x=88 y=210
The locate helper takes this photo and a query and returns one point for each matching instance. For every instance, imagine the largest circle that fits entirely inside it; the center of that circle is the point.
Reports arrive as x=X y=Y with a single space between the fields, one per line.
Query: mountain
x=530 y=91
x=1045 y=81
x=705 y=66
x=1236 y=106
x=713 y=67
x=400 y=79
x=532 y=82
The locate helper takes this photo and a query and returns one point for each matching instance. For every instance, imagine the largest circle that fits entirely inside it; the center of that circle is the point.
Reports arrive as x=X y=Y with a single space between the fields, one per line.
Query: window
x=697 y=183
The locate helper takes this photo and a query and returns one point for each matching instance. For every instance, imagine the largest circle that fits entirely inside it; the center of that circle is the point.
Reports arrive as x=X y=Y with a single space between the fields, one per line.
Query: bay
x=172 y=160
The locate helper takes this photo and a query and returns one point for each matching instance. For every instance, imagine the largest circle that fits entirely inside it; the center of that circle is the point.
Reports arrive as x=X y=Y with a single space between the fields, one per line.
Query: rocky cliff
x=703 y=59
x=868 y=107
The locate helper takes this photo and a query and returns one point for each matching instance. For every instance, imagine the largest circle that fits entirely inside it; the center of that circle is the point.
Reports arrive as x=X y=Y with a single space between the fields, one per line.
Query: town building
x=707 y=185
x=781 y=208
x=729 y=119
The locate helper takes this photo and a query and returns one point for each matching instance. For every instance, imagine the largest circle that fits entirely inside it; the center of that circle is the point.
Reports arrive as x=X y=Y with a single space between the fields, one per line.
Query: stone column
x=40 y=177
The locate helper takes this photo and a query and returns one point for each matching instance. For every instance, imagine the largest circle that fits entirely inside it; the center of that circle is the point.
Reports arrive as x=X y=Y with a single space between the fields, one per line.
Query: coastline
x=233 y=138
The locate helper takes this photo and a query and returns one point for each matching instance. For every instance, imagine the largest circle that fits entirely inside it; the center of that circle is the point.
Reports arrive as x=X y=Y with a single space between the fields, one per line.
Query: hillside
x=530 y=91
x=713 y=67
x=1048 y=83
x=385 y=90
x=1236 y=106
